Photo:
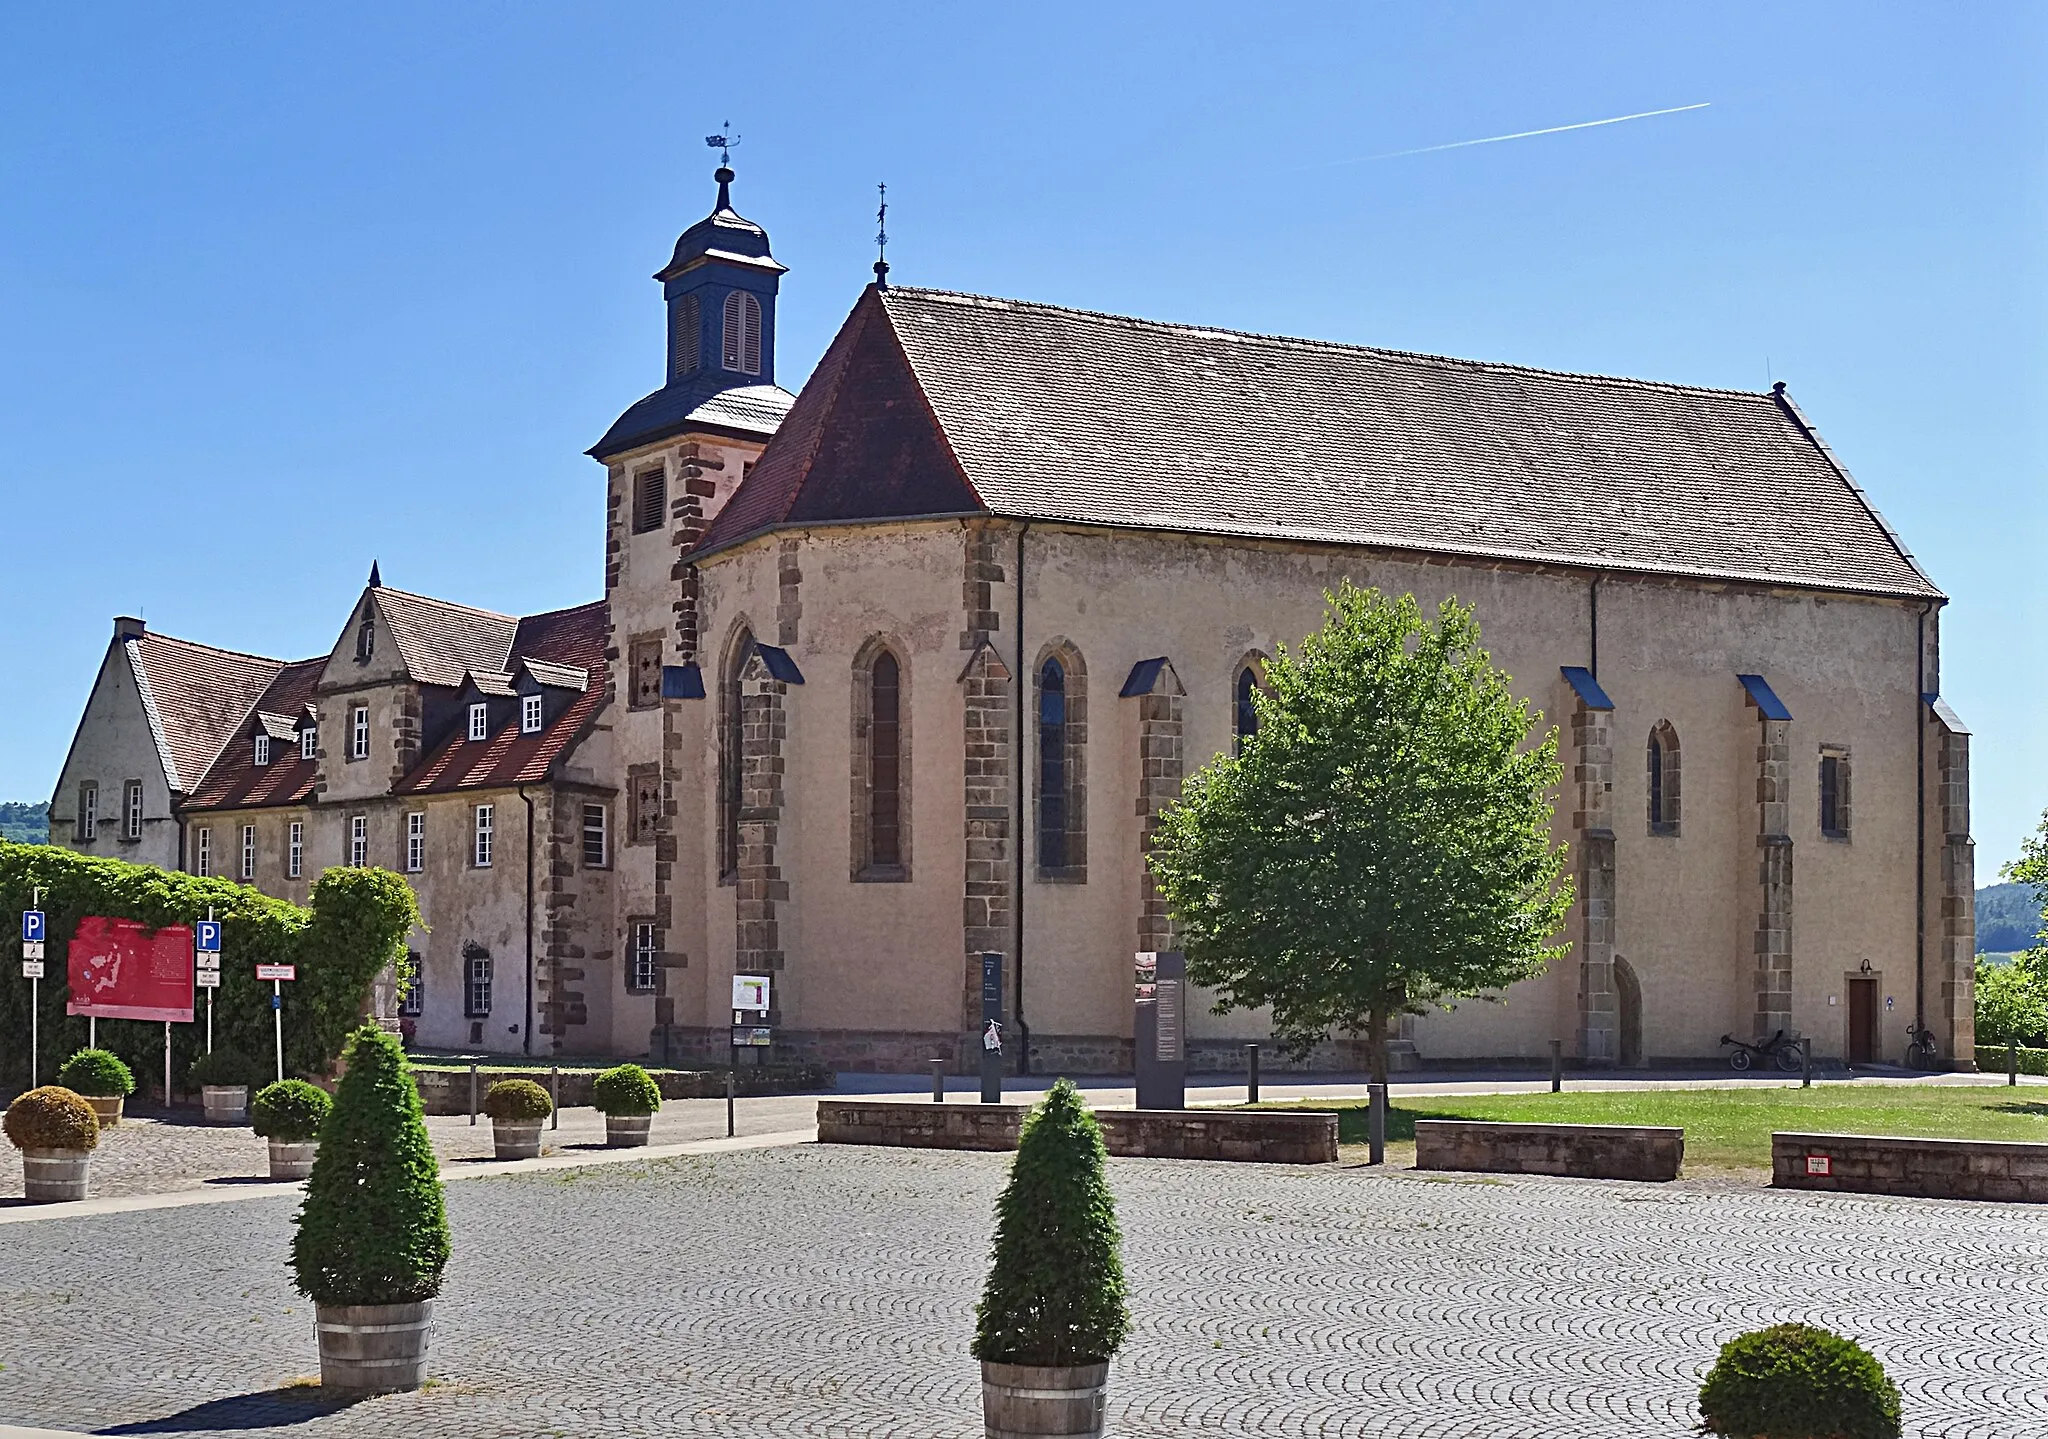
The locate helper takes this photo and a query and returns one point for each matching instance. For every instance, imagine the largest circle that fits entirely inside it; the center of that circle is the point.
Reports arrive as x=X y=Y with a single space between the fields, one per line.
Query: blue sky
x=283 y=291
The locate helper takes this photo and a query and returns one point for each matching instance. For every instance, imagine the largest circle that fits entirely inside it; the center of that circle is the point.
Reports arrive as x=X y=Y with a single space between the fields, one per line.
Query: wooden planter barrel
x=53 y=1176
x=516 y=1140
x=373 y=1348
x=106 y=1106
x=1029 y=1399
x=225 y=1103
x=292 y=1159
x=627 y=1131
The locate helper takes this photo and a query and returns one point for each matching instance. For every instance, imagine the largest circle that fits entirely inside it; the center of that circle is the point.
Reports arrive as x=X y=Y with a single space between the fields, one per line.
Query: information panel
x=123 y=970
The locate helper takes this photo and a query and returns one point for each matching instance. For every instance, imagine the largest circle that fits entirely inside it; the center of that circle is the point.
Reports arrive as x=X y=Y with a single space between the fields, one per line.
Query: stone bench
x=1261 y=1136
x=1580 y=1151
x=1919 y=1168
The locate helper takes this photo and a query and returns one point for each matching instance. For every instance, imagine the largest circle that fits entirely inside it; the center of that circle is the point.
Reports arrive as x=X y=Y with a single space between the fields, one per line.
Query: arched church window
x=881 y=766
x=1061 y=808
x=1244 y=713
x=684 y=336
x=742 y=333
x=1662 y=760
x=731 y=765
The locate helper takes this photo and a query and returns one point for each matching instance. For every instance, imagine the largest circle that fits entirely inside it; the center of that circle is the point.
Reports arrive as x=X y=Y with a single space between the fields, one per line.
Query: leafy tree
x=2012 y=1005
x=2031 y=869
x=1382 y=842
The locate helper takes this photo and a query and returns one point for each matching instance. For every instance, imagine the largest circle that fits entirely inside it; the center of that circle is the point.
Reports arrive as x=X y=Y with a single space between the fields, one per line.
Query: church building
x=903 y=670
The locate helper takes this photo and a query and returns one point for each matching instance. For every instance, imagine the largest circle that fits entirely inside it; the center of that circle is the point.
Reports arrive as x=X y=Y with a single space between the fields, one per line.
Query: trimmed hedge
x=1796 y=1381
x=97 y=1073
x=52 y=1118
x=517 y=1101
x=1991 y=1059
x=627 y=1089
x=290 y=1111
x=357 y=925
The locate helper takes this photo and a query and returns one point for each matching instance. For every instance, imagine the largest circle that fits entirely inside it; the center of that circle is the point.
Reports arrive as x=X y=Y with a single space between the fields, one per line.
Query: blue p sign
x=32 y=926
x=207 y=936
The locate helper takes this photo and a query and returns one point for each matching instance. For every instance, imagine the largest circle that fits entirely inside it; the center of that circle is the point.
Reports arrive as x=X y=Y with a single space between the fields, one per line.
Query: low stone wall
x=1921 y=1168
x=446 y=1091
x=1581 y=1151
x=1251 y=1136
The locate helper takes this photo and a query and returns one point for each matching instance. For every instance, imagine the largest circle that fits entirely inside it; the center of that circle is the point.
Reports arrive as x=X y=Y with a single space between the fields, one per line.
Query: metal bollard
x=555 y=1096
x=731 y=1085
x=1376 y=1124
x=1806 y=1061
x=938 y=1081
x=1251 y=1073
x=2012 y=1064
x=1556 y=1066
x=472 y=1091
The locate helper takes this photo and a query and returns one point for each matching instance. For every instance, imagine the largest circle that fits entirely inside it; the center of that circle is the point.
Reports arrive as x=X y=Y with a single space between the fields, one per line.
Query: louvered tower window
x=742 y=333
x=650 y=499
x=684 y=331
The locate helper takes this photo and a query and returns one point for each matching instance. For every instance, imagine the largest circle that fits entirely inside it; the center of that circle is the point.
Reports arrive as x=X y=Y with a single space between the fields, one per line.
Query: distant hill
x=25 y=823
x=2007 y=918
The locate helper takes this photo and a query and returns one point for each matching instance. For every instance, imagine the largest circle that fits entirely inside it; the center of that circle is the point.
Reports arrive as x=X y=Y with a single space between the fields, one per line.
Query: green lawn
x=1731 y=1128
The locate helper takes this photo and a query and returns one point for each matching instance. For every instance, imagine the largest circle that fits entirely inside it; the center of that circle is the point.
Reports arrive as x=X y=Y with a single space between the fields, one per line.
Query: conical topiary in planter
x=289 y=1114
x=629 y=1099
x=373 y=1233
x=1796 y=1381
x=101 y=1078
x=1053 y=1310
x=517 y=1108
x=56 y=1132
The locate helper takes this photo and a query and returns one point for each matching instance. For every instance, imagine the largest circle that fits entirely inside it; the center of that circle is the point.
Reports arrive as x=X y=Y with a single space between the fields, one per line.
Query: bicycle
x=1921 y=1051
x=1779 y=1047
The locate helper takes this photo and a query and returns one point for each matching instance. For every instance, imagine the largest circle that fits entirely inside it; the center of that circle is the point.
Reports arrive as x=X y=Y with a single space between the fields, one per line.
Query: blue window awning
x=1586 y=687
x=1764 y=698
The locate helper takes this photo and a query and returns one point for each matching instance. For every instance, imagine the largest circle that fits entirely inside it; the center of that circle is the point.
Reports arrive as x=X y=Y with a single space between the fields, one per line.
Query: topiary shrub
x=517 y=1101
x=1794 y=1381
x=628 y=1089
x=1055 y=1292
x=96 y=1072
x=373 y=1228
x=222 y=1067
x=290 y=1111
x=51 y=1118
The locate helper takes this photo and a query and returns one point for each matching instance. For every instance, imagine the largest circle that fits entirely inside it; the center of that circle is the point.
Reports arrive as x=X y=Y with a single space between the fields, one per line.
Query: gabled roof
x=235 y=780
x=440 y=641
x=196 y=696
x=1037 y=412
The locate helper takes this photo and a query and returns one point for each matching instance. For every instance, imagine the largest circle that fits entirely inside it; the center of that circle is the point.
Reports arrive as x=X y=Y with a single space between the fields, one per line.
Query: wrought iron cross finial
x=723 y=143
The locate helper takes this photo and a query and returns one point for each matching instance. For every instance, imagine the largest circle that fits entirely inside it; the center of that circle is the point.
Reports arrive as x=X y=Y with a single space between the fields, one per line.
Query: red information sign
x=123 y=970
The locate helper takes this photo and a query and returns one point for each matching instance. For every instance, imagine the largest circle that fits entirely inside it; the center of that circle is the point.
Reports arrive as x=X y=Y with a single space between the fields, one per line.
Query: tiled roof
x=1067 y=415
x=236 y=781
x=441 y=642
x=196 y=696
x=699 y=403
x=574 y=638
x=564 y=677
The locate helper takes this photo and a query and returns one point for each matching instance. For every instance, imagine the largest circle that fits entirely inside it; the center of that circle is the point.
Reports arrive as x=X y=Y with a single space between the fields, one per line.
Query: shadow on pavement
x=269 y=1409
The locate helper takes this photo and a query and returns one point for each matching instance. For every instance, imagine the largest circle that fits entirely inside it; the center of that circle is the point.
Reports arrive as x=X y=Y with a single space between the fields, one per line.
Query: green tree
x=2031 y=869
x=2011 y=1005
x=1382 y=842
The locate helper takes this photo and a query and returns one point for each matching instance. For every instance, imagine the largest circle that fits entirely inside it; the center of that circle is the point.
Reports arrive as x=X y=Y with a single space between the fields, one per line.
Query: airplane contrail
x=1518 y=135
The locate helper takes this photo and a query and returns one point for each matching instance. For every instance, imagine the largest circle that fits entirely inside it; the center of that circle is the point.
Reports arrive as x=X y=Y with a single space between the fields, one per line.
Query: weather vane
x=723 y=143
x=882 y=239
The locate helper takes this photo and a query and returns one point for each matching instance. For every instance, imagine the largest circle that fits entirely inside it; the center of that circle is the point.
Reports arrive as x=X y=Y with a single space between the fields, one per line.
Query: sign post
x=34 y=927
x=750 y=1007
x=277 y=974
x=1159 y=1029
x=206 y=944
x=991 y=1029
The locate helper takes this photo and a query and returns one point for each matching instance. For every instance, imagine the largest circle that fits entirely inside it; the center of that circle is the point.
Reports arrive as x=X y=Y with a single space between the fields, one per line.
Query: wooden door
x=1862 y=1021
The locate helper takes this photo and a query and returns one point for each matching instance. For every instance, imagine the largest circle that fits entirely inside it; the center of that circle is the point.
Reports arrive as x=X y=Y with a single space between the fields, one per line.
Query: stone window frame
x=643 y=803
x=1836 y=755
x=247 y=870
x=601 y=832
x=202 y=852
x=1662 y=809
x=1075 y=763
x=412 y=994
x=1254 y=664
x=864 y=869
x=643 y=671
x=88 y=829
x=476 y=981
x=415 y=841
x=131 y=809
x=739 y=648
x=483 y=835
x=358 y=733
x=643 y=960
x=358 y=841
x=295 y=849
x=649 y=501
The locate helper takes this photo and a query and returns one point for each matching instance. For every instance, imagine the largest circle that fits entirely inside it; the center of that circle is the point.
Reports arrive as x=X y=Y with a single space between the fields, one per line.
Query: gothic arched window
x=742 y=333
x=731 y=761
x=684 y=335
x=881 y=765
x=1244 y=714
x=1662 y=760
x=1062 y=737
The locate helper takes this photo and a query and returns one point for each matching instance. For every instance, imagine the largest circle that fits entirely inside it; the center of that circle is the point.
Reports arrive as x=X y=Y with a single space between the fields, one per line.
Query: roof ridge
x=1310 y=343
x=202 y=645
x=445 y=604
x=564 y=610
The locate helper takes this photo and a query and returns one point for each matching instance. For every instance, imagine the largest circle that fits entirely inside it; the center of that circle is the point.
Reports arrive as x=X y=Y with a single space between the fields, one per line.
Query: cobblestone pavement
x=829 y=1292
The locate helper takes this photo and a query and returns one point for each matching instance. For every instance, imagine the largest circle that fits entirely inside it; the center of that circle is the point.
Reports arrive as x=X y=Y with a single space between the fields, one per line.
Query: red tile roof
x=236 y=781
x=440 y=641
x=196 y=696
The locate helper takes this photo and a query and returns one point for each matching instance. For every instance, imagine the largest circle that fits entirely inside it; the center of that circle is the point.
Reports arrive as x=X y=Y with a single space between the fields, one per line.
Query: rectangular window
x=88 y=812
x=476 y=998
x=358 y=840
x=529 y=714
x=131 y=809
x=646 y=957
x=263 y=749
x=644 y=659
x=643 y=808
x=309 y=742
x=479 y=722
x=1834 y=794
x=295 y=851
x=412 y=994
x=248 y=851
x=596 y=837
x=203 y=854
x=650 y=500
x=415 y=842
x=359 y=733
x=483 y=836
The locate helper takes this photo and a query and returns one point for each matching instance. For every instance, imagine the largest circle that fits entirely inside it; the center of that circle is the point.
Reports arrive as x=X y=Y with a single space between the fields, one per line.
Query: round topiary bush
x=373 y=1228
x=51 y=1118
x=1055 y=1292
x=628 y=1089
x=222 y=1067
x=517 y=1101
x=290 y=1111
x=1795 y=1381
x=96 y=1072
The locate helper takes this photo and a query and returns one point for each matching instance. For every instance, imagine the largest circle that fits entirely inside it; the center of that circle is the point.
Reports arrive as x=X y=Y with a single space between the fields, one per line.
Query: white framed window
x=131 y=809
x=203 y=852
x=415 y=842
x=359 y=733
x=295 y=851
x=88 y=812
x=529 y=714
x=358 y=840
x=646 y=956
x=412 y=994
x=597 y=848
x=476 y=997
x=248 y=851
x=263 y=749
x=742 y=333
x=309 y=742
x=483 y=836
x=479 y=721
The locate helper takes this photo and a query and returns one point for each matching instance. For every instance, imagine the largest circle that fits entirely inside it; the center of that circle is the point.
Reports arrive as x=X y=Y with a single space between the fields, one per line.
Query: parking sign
x=32 y=926
x=206 y=936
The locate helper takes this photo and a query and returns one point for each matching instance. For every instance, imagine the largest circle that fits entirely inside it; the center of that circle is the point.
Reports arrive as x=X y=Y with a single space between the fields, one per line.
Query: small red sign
x=119 y=969
x=277 y=971
x=1820 y=1164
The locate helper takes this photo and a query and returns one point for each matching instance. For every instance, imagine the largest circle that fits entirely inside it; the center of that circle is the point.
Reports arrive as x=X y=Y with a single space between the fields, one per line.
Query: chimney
x=127 y=627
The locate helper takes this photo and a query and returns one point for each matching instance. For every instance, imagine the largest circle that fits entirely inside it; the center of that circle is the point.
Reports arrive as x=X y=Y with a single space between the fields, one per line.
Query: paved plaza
x=809 y=1290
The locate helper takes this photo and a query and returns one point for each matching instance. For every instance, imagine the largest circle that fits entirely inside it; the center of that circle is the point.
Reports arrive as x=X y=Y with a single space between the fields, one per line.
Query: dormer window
x=742 y=333
x=529 y=714
x=685 y=329
x=479 y=721
x=309 y=742
x=263 y=749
